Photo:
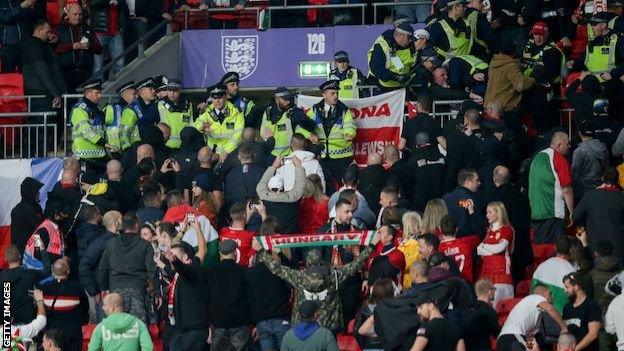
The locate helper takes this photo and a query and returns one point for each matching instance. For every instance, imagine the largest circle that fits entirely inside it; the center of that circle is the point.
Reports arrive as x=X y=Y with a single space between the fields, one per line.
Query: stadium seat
x=11 y=84
x=87 y=331
x=504 y=307
x=542 y=252
x=52 y=13
x=523 y=288
x=346 y=341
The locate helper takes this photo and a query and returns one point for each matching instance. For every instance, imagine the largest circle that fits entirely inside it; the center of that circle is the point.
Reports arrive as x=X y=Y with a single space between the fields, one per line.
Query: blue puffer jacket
x=16 y=23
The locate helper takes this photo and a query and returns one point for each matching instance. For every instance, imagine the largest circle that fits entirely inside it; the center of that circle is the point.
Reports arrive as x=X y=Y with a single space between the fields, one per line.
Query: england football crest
x=239 y=53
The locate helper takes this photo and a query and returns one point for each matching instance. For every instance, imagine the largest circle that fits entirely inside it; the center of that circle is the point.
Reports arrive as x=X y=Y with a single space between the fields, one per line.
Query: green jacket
x=310 y=284
x=121 y=332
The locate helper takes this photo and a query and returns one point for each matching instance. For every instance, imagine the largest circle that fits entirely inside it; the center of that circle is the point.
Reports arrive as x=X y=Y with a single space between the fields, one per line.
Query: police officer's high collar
x=234 y=98
x=90 y=103
x=458 y=23
x=389 y=36
x=142 y=102
x=180 y=104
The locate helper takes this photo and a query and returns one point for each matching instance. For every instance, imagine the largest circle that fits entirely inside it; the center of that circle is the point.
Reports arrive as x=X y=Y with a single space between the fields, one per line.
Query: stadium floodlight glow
x=314 y=69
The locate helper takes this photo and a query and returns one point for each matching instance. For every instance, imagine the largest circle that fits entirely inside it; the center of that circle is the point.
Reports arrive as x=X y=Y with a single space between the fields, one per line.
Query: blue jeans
x=115 y=47
x=271 y=332
x=415 y=13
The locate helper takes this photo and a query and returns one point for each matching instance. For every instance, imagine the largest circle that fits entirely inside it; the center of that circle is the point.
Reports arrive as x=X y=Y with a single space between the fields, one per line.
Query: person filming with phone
x=464 y=205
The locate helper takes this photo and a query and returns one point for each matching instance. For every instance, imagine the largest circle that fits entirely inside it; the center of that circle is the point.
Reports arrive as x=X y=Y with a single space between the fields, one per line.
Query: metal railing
x=392 y=5
x=32 y=139
x=453 y=107
x=28 y=99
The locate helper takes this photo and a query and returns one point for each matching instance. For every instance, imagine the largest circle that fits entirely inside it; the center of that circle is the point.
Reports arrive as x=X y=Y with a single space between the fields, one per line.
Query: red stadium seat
x=504 y=307
x=346 y=341
x=523 y=288
x=542 y=252
x=52 y=13
x=87 y=331
x=11 y=84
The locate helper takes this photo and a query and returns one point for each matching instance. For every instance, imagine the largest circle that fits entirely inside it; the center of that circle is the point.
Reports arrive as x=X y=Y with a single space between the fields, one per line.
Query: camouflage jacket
x=315 y=286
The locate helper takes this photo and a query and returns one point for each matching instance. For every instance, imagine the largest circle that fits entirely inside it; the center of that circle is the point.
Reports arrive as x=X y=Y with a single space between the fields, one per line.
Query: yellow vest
x=601 y=58
x=335 y=144
x=348 y=86
x=539 y=58
x=177 y=120
x=87 y=131
x=226 y=135
x=282 y=132
x=473 y=20
x=458 y=45
x=476 y=64
x=407 y=58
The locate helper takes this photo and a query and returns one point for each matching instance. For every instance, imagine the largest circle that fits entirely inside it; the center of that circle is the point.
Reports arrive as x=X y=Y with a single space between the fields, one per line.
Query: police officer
x=467 y=71
x=423 y=75
x=282 y=119
x=176 y=111
x=231 y=81
x=142 y=112
x=606 y=130
x=127 y=95
x=392 y=57
x=484 y=38
x=451 y=35
x=335 y=130
x=160 y=86
x=222 y=121
x=87 y=120
x=542 y=60
x=350 y=77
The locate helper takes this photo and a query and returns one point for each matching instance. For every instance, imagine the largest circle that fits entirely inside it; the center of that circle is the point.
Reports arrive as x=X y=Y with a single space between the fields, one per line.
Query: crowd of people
x=173 y=223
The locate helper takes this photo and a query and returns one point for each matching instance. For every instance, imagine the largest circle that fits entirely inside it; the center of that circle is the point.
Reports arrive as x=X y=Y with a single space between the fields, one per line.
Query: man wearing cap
x=335 y=130
x=87 y=120
x=589 y=160
x=307 y=334
x=222 y=121
x=176 y=111
x=231 y=81
x=142 y=112
x=483 y=34
x=451 y=35
x=392 y=57
x=281 y=119
x=127 y=95
x=160 y=86
x=349 y=77
x=544 y=61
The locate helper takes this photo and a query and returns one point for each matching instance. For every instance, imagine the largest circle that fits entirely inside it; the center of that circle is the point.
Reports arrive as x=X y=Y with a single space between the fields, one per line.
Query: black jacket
x=26 y=215
x=261 y=151
x=98 y=15
x=86 y=234
x=467 y=224
x=268 y=294
x=241 y=182
x=191 y=286
x=229 y=307
x=428 y=168
x=22 y=280
x=89 y=261
x=372 y=181
x=41 y=70
x=17 y=23
x=68 y=319
x=480 y=323
x=127 y=262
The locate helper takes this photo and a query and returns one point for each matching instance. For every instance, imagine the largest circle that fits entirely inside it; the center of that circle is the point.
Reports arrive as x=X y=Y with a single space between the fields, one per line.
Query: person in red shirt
x=496 y=250
x=387 y=247
x=236 y=231
x=461 y=250
x=313 y=209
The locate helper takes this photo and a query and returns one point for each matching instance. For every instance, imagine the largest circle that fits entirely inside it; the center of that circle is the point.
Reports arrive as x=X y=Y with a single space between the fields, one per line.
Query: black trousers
x=10 y=58
x=509 y=342
x=334 y=170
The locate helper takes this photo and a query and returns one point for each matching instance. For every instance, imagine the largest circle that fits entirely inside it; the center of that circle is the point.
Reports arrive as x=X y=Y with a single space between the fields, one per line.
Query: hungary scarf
x=281 y=241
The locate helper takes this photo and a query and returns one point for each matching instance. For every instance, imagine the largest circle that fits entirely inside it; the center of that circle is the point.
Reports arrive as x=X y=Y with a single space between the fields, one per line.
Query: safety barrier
x=392 y=5
x=35 y=138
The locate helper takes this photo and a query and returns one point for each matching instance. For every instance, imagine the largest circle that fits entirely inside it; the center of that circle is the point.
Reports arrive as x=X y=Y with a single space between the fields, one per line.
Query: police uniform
x=226 y=126
x=332 y=126
x=244 y=105
x=160 y=85
x=283 y=123
x=349 y=79
x=87 y=121
x=136 y=115
x=176 y=115
x=390 y=65
x=461 y=69
x=112 y=114
x=451 y=37
x=482 y=33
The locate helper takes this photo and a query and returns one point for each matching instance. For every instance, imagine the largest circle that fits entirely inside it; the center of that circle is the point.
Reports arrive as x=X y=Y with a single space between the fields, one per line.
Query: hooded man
x=27 y=214
x=47 y=235
x=317 y=282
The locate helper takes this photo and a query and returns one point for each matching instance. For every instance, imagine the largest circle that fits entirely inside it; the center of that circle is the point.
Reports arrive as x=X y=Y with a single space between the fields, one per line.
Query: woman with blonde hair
x=412 y=228
x=434 y=211
x=313 y=211
x=496 y=250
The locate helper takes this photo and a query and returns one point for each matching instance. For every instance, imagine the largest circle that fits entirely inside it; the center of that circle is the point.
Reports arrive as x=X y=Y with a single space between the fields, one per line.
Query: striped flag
x=12 y=173
x=281 y=241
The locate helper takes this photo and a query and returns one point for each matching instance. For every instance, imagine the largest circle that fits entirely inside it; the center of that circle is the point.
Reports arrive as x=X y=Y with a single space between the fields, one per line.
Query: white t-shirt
x=524 y=316
x=30 y=330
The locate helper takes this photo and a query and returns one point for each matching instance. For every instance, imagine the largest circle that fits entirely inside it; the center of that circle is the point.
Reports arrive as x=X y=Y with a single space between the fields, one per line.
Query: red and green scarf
x=282 y=241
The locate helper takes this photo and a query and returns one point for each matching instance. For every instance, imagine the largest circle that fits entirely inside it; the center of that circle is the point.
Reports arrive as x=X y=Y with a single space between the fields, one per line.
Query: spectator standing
x=460 y=250
x=313 y=212
x=76 y=46
x=372 y=180
x=552 y=271
x=151 y=211
x=582 y=314
x=363 y=326
x=423 y=122
x=203 y=200
x=203 y=166
x=495 y=251
x=241 y=181
x=550 y=190
x=468 y=213
x=523 y=320
x=67 y=305
x=436 y=332
x=398 y=173
x=109 y=19
x=16 y=21
x=428 y=244
x=28 y=331
x=236 y=232
x=583 y=101
x=53 y=340
x=481 y=322
x=434 y=211
x=126 y=264
x=387 y=239
x=614 y=321
x=589 y=160
x=49 y=233
x=412 y=228
x=22 y=279
x=606 y=266
x=308 y=160
x=41 y=70
x=428 y=167
x=308 y=334
x=89 y=229
x=27 y=214
x=229 y=305
x=119 y=330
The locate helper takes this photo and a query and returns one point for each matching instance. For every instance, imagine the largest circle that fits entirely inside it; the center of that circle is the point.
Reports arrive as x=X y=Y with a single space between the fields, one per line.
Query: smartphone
x=190 y=218
x=463 y=203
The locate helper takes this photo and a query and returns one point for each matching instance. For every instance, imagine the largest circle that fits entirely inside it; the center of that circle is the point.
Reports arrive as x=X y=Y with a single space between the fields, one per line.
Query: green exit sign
x=317 y=69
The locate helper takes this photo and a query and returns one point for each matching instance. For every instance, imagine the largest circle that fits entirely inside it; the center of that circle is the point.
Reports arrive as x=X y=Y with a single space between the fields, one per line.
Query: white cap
x=421 y=34
x=276 y=182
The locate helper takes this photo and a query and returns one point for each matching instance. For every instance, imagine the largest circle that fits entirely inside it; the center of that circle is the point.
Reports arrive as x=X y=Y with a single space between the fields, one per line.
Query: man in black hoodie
x=27 y=214
x=89 y=229
x=22 y=280
x=126 y=264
